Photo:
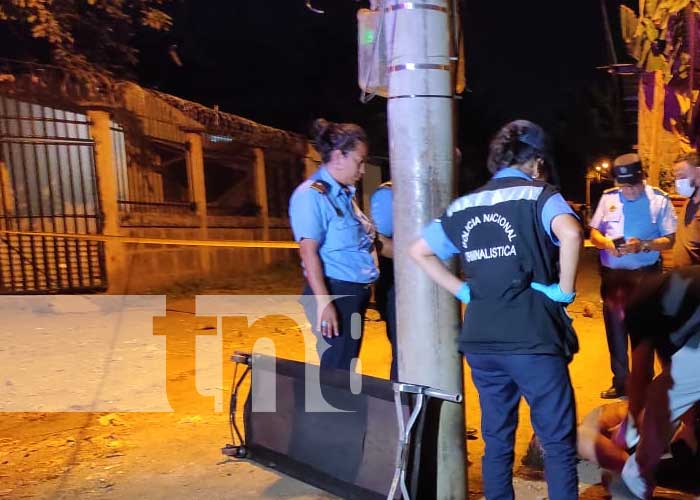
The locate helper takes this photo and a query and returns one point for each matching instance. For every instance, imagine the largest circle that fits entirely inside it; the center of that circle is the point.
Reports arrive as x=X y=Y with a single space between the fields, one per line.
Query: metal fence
x=162 y=188
x=48 y=184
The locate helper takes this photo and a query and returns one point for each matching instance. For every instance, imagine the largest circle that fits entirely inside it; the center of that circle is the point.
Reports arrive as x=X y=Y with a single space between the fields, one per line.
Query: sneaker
x=633 y=478
x=613 y=393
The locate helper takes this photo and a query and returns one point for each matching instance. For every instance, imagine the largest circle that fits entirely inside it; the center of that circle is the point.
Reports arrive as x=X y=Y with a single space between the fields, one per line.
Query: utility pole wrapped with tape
x=421 y=135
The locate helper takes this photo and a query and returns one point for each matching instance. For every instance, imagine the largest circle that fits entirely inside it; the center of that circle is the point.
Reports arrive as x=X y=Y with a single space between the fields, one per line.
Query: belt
x=349 y=284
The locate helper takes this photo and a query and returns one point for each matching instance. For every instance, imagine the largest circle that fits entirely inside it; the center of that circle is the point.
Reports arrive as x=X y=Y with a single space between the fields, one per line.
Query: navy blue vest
x=503 y=249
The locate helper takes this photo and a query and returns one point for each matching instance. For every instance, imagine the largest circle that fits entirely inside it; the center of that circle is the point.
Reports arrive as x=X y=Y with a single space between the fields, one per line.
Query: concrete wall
x=151 y=267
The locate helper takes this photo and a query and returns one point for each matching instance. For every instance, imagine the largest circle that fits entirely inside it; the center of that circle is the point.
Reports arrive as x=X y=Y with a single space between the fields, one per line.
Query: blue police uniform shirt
x=648 y=217
x=345 y=248
x=440 y=244
x=381 y=207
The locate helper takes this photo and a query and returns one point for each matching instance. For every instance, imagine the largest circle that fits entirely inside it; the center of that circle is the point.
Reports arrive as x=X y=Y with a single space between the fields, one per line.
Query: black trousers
x=338 y=352
x=390 y=320
x=385 y=298
x=616 y=288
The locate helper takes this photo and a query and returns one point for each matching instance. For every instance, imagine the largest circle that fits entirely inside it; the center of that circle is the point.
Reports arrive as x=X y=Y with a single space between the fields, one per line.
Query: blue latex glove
x=464 y=293
x=554 y=292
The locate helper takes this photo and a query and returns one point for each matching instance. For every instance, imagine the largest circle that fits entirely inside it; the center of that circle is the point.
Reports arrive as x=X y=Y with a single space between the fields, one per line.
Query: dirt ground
x=83 y=454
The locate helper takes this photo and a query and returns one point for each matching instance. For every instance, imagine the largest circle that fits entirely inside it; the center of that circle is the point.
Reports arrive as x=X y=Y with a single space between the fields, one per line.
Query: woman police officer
x=336 y=243
x=519 y=242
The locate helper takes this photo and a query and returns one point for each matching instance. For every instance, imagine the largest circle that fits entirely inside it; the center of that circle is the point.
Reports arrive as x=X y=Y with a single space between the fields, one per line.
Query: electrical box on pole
x=372 y=53
x=375 y=47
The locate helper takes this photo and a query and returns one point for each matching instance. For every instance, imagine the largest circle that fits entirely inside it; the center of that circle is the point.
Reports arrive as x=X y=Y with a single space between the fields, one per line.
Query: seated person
x=604 y=433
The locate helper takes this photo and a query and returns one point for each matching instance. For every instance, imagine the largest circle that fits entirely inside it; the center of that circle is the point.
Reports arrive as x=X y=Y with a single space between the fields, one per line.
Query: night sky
x=280 y=64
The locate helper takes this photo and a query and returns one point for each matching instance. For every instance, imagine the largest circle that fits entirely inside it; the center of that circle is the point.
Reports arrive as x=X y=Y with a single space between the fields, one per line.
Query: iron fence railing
x=48 y=183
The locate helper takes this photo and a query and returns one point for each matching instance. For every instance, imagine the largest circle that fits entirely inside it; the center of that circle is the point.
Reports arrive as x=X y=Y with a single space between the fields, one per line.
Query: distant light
x=219 y=138
x=368 y=37
x=597 y=169
x=605 y=164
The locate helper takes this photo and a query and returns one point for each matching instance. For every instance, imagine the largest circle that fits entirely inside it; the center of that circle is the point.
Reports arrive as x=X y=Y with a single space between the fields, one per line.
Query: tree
x=81 y=35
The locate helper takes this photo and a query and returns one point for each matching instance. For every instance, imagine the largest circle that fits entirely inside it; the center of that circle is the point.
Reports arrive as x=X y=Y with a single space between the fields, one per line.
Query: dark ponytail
x=329 y=136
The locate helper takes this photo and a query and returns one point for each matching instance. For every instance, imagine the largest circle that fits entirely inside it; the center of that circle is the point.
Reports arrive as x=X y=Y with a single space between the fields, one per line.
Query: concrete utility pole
x=421 y=137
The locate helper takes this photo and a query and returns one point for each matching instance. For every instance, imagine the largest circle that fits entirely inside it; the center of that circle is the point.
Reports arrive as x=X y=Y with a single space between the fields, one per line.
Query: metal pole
x=421 y=136
x=588 y=198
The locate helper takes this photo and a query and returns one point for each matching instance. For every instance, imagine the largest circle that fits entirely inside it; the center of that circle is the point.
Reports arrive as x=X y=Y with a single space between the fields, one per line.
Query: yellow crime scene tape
x=174 y=242
x=160 y=241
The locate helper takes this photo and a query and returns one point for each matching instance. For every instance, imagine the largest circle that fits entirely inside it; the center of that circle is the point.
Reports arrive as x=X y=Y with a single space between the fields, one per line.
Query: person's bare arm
x=602 y=242
x=325 y=311
x=640 y=377
x=568 y=231
x=663 y=242
x=433 y=266
x=635 y=245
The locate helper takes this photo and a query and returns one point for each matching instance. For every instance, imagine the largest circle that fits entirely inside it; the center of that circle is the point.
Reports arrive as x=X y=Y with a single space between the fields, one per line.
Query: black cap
x=627 y=169
x=533 y=135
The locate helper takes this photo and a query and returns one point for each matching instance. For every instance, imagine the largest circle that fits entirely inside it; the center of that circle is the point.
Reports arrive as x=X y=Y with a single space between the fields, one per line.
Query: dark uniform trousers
x=501 y=379
x=616 y=288
x=391 y=332
x=385 y=298
x=353 y=298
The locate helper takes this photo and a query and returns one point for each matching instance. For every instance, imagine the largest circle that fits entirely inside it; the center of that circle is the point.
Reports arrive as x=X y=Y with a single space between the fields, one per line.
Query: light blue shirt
x=440 y=244
x=381 y=207
x=648 y=217
x=345 y=248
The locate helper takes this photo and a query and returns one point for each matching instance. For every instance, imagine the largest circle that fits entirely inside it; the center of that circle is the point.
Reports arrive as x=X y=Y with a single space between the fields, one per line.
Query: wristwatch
x=646 y=246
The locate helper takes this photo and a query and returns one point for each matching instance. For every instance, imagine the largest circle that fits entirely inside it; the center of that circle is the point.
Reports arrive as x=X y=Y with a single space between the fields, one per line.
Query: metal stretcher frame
x=384 y=448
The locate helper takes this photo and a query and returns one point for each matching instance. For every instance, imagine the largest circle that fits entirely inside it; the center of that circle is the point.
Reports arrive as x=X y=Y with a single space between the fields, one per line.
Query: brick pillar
x=311 y=161
x=195 y=177
x=260 y=181
x=115 y=252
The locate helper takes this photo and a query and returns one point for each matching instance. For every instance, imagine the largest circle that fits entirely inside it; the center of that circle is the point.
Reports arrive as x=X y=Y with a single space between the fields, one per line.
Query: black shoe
x=613 y=393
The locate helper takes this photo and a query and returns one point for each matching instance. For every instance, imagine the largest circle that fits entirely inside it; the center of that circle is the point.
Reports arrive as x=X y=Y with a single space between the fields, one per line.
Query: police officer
x=519 y=244
x=631 y=225
x=384 y=291
x=336 y=243
x=686 y=250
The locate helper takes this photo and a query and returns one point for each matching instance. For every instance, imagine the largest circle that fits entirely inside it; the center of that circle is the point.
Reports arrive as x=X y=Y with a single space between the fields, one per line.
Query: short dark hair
x=691 y=158
x=516 y=143
x=330 y=136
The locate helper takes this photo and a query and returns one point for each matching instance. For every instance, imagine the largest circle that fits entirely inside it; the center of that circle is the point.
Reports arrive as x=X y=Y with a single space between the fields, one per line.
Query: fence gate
x=48 y=184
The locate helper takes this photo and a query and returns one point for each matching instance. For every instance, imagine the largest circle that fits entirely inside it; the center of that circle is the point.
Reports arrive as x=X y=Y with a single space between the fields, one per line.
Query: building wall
x=658 y=146
x=147 y=156
x=230 y=187
x=152 y=267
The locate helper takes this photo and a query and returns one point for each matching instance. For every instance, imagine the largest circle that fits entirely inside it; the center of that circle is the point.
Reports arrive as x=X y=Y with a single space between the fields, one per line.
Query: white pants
x=685 y=371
